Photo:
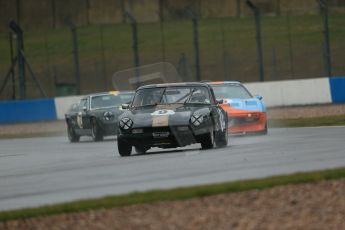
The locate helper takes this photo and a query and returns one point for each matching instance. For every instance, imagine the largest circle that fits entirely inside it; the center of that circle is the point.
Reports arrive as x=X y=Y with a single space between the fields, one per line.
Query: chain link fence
x=293 y=48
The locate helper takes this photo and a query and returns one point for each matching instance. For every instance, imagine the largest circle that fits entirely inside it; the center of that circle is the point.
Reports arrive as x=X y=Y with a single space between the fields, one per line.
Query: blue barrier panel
x=27 y=111
x=337 y=85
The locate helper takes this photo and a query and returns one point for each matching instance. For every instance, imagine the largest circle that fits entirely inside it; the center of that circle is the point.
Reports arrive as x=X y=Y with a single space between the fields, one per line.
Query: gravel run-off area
x=318 y=205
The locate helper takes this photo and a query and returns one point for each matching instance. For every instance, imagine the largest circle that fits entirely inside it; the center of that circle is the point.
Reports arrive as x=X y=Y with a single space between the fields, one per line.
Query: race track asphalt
x=46 y=170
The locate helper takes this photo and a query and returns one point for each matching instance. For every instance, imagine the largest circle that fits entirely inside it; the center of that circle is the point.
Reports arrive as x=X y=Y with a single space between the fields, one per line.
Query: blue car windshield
x=126 y=98
x=228 y=91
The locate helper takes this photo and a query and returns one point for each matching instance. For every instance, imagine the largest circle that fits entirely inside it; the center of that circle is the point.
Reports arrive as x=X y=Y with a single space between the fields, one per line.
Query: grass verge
x=308 y=122
x=173 y=194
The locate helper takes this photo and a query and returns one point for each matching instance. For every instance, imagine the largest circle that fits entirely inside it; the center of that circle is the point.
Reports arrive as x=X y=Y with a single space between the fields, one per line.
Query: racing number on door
x=83 y=104
x=80 y=119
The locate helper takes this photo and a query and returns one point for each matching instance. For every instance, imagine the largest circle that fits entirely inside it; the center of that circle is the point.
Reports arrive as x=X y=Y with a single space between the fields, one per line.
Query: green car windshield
x=107 y=101
x=171 y=95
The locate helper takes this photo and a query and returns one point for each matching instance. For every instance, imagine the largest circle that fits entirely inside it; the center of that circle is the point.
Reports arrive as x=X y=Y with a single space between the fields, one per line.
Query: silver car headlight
x=126 y=123
x=197 y=119
x=108 y=115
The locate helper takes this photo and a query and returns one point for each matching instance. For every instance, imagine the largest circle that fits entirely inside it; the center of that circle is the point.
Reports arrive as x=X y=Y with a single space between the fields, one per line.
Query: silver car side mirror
x=220 y=101
x=125 y=106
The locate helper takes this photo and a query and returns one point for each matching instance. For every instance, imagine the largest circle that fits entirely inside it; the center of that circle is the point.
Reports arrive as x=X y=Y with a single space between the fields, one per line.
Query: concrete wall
x=279 y=93
x=27 y=111
x=337 y=85
x=62 y=105
x=294 y=92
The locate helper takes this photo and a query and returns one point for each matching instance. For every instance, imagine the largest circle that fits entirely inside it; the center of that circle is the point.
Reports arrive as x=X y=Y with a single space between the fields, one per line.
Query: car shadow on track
x=177 y=150
x=89 y=140
x=166 y=151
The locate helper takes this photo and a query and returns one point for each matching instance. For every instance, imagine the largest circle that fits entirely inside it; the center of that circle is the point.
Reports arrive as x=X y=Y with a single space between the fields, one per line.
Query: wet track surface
x=36 y=171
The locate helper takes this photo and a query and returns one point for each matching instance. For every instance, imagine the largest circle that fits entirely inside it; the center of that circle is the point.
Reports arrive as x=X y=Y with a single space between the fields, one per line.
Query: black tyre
x=96 y=132
x=207 y=141
x=141 y=150
x=124 y=148
x=72 y=136
x=263 y=132
x=222 y=139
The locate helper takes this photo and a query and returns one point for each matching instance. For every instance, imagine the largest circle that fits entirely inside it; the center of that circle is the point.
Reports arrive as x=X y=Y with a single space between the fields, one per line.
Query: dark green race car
x=170 y=116
x=96 y=115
